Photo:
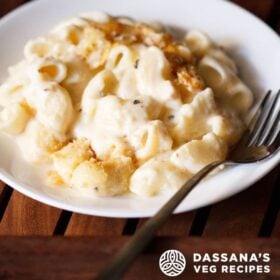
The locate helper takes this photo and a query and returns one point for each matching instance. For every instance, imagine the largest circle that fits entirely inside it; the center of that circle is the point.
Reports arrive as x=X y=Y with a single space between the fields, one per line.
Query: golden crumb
x=54 y=179
x=185 y=78
x=94 y=47
x=47 y=141
x=188 y=83
x=70 y=156
x=132 y=34
x=119 y=171
x=89 y=174
x=105 y=178
x=28 y=109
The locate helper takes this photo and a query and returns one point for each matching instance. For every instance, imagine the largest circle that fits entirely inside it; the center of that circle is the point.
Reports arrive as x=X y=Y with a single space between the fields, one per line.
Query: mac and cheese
x=113 y=105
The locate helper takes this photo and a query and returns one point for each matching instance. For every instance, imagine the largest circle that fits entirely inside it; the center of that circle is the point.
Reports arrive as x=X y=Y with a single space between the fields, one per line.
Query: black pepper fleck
x=46 y=89
x=135 y=102
x=171 y=117
x=136 y=64
x=96 y=189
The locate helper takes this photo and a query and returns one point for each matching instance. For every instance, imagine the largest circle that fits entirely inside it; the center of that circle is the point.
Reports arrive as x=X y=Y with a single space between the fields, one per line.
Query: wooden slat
x=82 y=258
x=276 y=230
x=79 y=224
x=275 y=21
x=272 y=210
x=261 y=8
x=177 y=225
x=5 y=195
x=268 y=10
x=88 y=225
x=2 y=184
x=8 y=5
x=242 y=215
x=278 y=27
x=25 y=216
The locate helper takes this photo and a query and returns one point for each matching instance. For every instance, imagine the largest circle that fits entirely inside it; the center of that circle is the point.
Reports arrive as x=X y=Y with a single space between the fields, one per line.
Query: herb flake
x=136 y=101
x=136 y=64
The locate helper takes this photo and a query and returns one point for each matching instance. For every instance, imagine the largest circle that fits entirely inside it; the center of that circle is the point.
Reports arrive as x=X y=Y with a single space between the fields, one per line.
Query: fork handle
x=116 y=268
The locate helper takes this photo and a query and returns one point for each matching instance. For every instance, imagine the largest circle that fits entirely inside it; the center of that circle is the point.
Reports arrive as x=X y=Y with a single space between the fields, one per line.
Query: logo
x=172 y=263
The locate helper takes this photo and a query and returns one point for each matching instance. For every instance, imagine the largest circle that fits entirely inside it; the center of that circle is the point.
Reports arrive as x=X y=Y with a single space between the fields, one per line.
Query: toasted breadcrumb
x=106 y=178
x=70 y=156
x=185 y=77
x=54 y=179
x=188 y=83
x=89 y=174
x=48 y=141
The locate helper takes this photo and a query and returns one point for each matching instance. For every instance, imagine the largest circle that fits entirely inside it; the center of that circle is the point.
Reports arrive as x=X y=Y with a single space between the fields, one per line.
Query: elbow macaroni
x=14 y=118
x=220 y=72
x=113 y=105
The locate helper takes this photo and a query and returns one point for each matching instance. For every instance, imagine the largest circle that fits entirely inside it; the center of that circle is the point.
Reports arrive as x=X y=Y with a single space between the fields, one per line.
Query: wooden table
x=41 y=242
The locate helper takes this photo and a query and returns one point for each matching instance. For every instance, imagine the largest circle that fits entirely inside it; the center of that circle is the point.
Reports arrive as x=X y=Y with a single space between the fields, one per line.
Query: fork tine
x=254 y=134
x=274 y=131
x=269 y=121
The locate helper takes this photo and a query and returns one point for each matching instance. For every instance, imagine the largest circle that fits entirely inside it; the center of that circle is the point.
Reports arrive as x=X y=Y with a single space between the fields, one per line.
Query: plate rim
x=19 y=186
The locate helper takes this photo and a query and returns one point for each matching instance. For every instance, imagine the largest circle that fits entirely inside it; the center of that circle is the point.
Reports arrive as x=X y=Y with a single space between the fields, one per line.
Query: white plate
x=254 y=45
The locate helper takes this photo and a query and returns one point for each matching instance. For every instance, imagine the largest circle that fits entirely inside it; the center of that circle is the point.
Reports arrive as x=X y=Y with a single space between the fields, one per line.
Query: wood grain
x=83 y=225
x=177 y=225
x=276 y=17
x=2 y=184
x=5 y=196
x=242 y=215
x=8 y=5
x=25 y=216
x=276 y=230
x=82 y=258
x=261 y=8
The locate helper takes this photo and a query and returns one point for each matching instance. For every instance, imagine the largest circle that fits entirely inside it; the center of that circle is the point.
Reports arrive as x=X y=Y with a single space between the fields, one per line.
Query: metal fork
x=257 y=144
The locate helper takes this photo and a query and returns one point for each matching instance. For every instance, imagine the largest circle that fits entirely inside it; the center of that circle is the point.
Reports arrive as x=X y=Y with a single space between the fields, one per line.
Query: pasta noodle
x=115 y=106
